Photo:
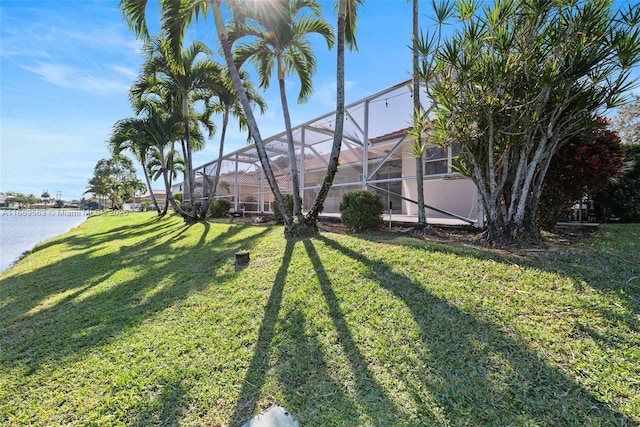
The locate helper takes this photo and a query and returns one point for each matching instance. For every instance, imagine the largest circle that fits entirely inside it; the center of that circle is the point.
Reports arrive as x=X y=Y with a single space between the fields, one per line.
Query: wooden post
x=242 y=260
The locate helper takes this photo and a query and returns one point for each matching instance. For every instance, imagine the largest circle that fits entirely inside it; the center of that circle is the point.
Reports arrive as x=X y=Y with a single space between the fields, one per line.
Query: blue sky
x=66 y=68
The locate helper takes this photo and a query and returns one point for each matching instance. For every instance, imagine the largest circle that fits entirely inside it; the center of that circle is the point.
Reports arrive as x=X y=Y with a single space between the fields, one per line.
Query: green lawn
x=129 y=320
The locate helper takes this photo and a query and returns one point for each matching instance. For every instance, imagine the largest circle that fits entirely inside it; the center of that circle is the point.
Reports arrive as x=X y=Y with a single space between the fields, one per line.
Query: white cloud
x=71 y=77
x=124 y=71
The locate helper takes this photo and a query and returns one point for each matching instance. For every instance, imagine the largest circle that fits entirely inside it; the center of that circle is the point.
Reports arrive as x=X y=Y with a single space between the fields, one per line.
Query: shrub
x=219 y=208
x=361 y=210
x=178 y=197
x=583 y=166
x=288 y=201
x=622 y=198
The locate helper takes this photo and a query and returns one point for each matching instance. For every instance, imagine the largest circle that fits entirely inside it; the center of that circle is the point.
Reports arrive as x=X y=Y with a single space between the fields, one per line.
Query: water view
x=21 y=230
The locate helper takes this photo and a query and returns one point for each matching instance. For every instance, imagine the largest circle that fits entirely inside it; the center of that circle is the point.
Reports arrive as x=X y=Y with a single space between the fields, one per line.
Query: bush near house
x=583 y=166
x=288 y=201
x=621 y=199
x=361 y=210
x=219 y=208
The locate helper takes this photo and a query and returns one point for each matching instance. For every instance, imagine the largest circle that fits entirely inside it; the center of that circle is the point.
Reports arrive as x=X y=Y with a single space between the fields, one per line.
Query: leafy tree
x=113 y=179
x=23 y=201
x=517 y=81
x=585 y=165
x=627 y=122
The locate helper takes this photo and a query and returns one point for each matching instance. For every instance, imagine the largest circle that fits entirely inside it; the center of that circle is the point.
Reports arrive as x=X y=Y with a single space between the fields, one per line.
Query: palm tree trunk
x=332 y=168
x=167 y=186
x=193 y=214
x=216 y=179
x=293 y=162
x=417 y=109
x=148 y=180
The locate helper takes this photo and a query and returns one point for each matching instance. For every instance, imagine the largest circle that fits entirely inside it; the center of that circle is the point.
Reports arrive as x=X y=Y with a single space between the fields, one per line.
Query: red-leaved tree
x=583 y=166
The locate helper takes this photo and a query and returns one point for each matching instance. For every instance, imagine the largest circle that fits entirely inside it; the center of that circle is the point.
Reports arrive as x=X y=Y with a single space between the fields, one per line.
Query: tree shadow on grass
x=259 y=366
x=166 y=401
x=301 y=367
x=472 y=371
x=615 y=270
x=86 y=302
x=369 y=394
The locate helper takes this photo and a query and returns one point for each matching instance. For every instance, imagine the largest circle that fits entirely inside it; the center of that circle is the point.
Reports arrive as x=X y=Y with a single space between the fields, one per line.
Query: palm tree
x=130 y=187
x=178 y=14
x=346 y=35
x=421 y=119
x=279 y=31
x=184 y=80
x=163 y=165
x=226 y=102
x=162 y=123
x=185 y=77
x=418 y=148
x=129 y=134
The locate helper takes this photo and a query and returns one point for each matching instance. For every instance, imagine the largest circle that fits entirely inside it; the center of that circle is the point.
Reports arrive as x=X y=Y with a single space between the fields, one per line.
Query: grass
x=129 y=320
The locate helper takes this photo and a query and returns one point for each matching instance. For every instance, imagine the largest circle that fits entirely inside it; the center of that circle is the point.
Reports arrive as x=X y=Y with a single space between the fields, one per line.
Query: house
x=139 y=200
x=376 y=155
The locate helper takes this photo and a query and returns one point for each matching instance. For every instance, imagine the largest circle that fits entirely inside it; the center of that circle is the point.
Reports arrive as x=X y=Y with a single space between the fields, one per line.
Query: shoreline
x=23 y=230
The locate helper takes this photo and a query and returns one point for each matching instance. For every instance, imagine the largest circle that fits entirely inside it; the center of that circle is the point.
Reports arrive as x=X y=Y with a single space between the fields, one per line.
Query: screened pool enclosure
x=376 y=155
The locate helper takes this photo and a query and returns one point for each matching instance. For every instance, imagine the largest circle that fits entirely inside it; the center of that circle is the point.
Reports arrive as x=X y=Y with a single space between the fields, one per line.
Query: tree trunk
x=216 y=179
x=293 y=163
x=332 y=168
x=417 y=110
x=167 y=186
x=186 y=146
x=148 y=180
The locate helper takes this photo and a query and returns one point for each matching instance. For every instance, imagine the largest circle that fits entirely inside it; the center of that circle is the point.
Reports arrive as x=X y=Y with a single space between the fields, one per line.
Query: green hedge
x=288 y=201
x=219 y=208
x=361 y=210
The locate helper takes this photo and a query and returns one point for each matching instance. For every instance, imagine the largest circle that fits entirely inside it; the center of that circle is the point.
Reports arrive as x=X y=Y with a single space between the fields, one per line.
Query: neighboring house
x=376 y=155
x=160 y=195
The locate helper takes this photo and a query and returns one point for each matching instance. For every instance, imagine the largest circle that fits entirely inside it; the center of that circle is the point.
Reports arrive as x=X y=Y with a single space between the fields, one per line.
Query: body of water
x=21 y=230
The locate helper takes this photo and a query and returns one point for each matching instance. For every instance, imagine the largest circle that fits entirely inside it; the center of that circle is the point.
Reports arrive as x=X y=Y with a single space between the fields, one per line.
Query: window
x=436 y=161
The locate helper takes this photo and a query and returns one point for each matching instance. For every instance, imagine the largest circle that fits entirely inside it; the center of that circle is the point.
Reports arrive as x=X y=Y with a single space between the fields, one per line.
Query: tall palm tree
x=347 y=23
x=185 y=78
x=178 y=14
x=346 y=35
x=225 y=101
x=279 y=31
